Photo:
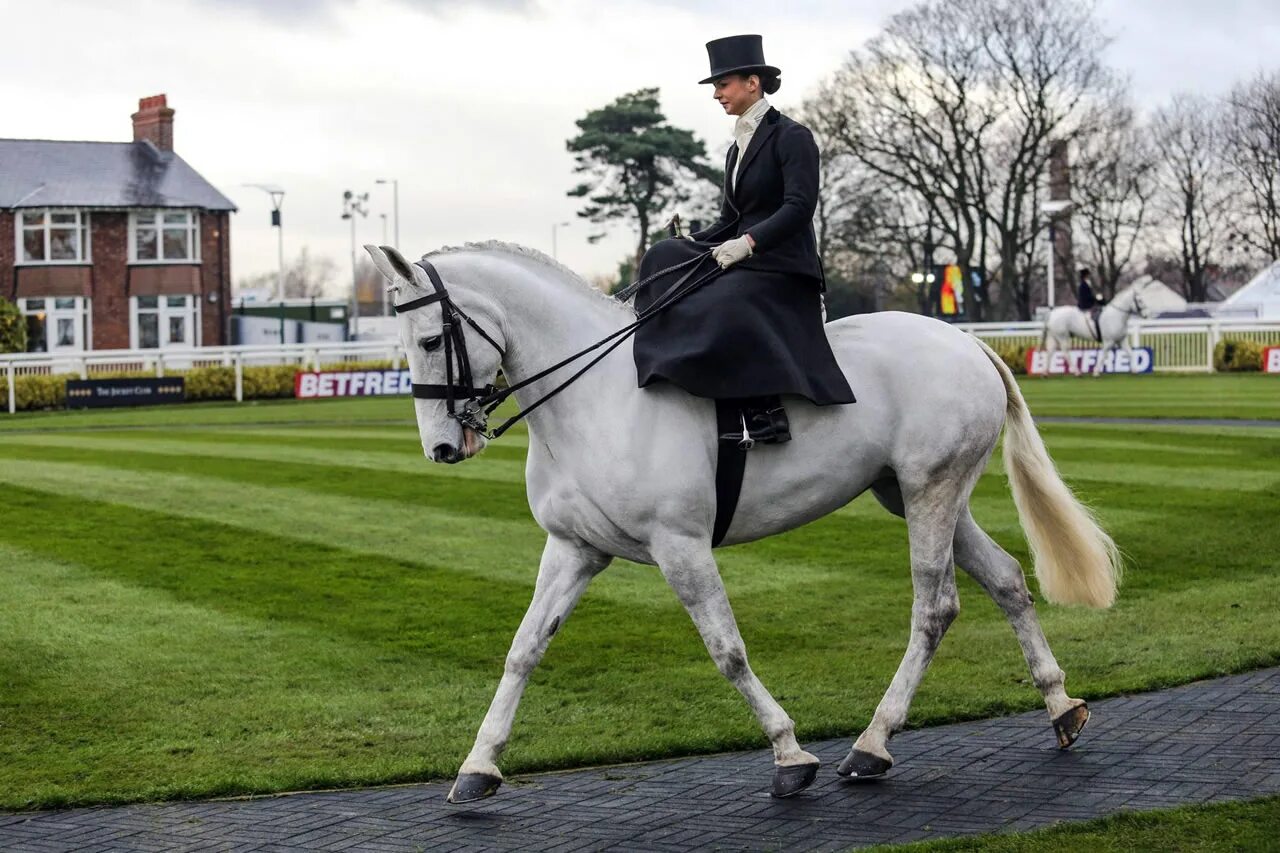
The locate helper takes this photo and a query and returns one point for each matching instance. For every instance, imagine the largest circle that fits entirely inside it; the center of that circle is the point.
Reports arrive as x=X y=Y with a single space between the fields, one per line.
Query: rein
x=479 y=403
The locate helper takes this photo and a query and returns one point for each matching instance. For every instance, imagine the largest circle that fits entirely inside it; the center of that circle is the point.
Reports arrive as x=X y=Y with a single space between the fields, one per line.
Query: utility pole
x=277 y=201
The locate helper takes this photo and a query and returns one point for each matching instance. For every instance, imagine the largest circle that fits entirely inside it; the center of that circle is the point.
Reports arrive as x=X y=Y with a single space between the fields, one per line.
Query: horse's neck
x=546 y=320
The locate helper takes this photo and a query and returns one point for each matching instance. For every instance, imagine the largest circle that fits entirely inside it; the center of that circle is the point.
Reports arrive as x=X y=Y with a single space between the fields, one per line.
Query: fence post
x=13 y=397
x=1215 y=334
x=159 y=366
x=239 y=379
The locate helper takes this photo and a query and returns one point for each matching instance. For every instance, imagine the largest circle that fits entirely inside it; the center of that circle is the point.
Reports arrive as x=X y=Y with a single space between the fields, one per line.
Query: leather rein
x=471 y=406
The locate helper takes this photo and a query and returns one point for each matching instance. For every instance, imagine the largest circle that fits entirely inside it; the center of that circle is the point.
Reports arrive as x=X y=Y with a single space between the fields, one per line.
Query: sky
x=468 y=104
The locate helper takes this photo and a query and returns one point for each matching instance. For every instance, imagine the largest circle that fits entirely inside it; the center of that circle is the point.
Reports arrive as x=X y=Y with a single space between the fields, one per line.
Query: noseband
x=471 y=413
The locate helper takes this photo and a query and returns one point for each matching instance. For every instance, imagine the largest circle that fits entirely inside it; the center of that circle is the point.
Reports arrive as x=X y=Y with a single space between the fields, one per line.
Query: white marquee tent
x=1259 y=298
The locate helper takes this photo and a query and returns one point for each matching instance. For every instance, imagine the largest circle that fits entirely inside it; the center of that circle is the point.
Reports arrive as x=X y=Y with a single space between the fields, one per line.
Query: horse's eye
x=430 y=343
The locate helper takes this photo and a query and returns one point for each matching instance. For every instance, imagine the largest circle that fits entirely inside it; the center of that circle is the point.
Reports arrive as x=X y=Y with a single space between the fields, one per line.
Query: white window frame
x=80 y=314
x=191 y=226
x=20 y=229
x=190 y=313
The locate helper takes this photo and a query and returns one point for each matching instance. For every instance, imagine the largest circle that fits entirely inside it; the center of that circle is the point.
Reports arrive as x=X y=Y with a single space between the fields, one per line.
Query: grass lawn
x=1229 y=395
x=217 y=599
x=1234 y=827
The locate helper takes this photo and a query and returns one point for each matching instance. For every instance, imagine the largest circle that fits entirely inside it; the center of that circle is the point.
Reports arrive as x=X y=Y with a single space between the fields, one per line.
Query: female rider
x=755 y=332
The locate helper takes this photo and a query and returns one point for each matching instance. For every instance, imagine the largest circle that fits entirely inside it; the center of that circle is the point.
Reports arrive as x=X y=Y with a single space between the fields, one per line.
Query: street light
x=554 y=226
x=1051 y=209
x=351 y=205
x=395 y=207
x=277 y=199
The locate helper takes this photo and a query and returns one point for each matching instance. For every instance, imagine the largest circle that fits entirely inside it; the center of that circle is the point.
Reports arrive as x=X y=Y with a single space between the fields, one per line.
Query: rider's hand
x=732 y=251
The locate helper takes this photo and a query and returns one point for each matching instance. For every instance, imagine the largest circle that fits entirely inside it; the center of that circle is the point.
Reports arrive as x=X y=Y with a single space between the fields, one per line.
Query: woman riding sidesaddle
x=755 y=332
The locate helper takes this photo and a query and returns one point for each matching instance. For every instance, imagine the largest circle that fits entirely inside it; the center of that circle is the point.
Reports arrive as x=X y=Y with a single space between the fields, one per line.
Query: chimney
x=154 y=121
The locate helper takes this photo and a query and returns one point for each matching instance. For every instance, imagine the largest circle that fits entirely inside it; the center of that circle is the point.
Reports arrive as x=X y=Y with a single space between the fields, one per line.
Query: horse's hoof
x=859 y=765
x=1068 y=726
x=473 y=786
x=793 y=778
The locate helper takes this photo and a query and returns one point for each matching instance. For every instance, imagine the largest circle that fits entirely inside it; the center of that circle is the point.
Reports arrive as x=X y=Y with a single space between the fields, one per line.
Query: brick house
x=114 y=245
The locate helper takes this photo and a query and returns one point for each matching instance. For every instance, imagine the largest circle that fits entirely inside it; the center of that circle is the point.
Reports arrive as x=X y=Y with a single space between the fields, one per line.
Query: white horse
x=1068 y=321
x=618 y=471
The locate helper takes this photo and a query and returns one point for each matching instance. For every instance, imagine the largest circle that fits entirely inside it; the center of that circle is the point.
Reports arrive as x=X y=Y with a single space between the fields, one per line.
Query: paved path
x=1206 y=742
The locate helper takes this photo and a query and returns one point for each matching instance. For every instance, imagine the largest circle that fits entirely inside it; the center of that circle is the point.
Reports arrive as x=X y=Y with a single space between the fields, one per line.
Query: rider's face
x=737 y=92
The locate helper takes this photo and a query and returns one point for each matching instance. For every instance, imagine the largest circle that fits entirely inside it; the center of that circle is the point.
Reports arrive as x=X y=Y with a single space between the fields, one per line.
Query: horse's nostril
x=442 y=453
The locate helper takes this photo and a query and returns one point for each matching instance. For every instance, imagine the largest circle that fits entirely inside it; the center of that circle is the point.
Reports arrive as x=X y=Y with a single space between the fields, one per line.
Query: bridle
x=471 y=413
x=471 y=406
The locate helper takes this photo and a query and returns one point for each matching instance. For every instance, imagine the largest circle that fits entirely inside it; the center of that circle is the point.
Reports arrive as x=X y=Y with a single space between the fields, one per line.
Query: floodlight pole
x=1052 y=209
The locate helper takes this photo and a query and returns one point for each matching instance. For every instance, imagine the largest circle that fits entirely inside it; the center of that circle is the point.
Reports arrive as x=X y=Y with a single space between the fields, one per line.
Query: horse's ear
x=386 y=266
x=405 y=270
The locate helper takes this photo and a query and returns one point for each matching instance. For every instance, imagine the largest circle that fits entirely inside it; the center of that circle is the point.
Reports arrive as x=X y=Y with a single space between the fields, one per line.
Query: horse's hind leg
x=931 y=511
x=567 y=567
x=690 y=569
x=1002 y=578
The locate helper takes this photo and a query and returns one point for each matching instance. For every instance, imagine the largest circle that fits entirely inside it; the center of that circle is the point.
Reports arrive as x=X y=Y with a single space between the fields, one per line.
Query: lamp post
x=395 y=207
x=351 y=205
x=554 y=226
x=277 y=200
x=1051 y=209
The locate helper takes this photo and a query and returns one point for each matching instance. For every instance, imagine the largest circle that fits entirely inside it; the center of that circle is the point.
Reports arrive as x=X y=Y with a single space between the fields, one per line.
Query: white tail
x=1076 y=561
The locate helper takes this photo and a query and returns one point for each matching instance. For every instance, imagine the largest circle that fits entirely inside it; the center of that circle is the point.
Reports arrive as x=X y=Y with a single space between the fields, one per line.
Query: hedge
x=1014 y=355
x=1237 y=356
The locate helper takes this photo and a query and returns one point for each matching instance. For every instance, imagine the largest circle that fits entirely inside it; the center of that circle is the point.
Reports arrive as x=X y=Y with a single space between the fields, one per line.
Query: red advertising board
x=1271 y=360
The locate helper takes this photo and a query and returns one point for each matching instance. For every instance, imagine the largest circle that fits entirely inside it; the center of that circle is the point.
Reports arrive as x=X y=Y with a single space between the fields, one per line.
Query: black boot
x=763 y=421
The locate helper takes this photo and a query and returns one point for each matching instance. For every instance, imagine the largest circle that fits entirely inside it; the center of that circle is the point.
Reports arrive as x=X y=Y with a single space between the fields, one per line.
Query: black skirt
x=746 y=333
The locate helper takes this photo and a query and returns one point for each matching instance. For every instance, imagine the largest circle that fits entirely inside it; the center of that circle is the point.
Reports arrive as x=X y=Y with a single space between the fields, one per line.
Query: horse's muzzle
x=446 y=453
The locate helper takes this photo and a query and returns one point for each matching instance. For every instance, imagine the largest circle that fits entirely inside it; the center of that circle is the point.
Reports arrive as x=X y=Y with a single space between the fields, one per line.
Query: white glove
x=731 y=252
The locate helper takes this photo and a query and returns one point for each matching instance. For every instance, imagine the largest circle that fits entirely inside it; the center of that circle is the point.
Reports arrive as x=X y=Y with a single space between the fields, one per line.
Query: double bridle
x=478 y=403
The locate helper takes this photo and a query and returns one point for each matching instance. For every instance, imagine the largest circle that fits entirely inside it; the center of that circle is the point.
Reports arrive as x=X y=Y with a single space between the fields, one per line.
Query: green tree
x=13 y=328
x=636 y=166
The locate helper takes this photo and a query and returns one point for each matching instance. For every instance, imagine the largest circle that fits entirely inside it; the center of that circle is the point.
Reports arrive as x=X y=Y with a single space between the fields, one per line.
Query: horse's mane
x=525 y=253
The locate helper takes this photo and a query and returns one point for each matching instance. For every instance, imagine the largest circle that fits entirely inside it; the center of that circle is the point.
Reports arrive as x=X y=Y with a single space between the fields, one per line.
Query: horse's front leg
x=567 y=567
x=691 y=571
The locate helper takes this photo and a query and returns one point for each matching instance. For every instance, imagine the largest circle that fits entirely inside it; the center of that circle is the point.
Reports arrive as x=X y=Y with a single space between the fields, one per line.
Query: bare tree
x=956 y=105
x=1113 y=180
x=1251 y=125
x=1194 y=192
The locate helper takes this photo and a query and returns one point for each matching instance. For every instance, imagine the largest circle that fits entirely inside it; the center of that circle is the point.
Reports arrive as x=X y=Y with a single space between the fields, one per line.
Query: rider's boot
x=763 y=420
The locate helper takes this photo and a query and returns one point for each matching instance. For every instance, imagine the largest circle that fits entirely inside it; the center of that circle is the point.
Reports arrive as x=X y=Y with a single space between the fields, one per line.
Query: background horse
x=618 y=471
x=1068 y=321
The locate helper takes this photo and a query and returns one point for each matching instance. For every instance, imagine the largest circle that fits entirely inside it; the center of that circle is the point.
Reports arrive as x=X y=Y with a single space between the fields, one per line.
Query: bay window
x=52 y=236
x=164 y=322
x=56 y=323
x=164 y=236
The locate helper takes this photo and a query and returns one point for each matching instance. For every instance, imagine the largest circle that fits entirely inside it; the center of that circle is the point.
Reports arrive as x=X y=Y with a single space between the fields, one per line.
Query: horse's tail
x=1076 y=561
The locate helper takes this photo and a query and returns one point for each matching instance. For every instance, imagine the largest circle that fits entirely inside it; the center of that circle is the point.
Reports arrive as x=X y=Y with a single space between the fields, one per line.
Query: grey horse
x=617 y=471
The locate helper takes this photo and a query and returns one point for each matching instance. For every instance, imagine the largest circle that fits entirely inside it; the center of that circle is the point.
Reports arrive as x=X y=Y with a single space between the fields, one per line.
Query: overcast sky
x=468 y=104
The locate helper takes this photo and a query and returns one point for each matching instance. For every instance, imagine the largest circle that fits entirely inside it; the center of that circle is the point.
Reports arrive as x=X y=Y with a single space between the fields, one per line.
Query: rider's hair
x=1084 y=271
x=770 y=83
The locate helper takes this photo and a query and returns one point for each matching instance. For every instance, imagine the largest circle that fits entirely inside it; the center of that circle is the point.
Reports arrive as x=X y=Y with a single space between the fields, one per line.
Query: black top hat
x=737 y=55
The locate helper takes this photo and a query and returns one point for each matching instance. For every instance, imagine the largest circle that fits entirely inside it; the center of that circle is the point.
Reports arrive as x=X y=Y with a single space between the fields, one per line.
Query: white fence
x=90 y=363
x=1178 y=346
x=1184 y=346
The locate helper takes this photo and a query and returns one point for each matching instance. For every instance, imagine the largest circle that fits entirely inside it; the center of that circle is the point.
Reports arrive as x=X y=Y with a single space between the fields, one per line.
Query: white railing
x=1178 y=345
x=1182 y=345
x=90 y=363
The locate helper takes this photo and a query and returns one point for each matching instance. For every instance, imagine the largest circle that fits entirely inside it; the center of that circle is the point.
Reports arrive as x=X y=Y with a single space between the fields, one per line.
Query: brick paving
x=1207 y=742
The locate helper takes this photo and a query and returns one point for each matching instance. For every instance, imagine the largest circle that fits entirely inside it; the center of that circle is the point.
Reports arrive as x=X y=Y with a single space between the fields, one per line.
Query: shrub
x=35 y=391
x=211 y=383
x=1237 y=356
x=267 y=381
x=13 y=328
x=1014 y=355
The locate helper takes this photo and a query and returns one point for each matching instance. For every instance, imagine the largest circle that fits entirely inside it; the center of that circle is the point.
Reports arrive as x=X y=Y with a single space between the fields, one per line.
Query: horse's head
x=1130 y=301
x=454 y=347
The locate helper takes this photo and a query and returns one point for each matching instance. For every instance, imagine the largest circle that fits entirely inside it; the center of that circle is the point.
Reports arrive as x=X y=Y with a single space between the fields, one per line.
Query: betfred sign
x=1271 y=360
x=352 y=383
x=1063 y=362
